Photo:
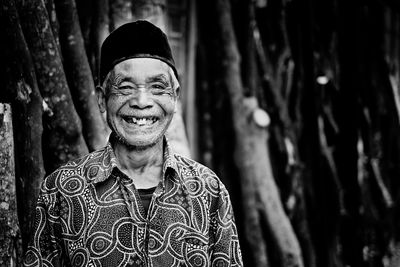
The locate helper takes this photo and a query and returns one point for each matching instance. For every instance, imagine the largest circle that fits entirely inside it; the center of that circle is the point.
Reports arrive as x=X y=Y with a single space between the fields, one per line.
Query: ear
x=178 y=94
x=101 y=98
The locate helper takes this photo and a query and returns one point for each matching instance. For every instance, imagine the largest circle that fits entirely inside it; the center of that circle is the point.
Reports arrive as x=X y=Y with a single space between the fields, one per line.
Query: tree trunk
x=62 y=126
x=94 y=24
x=10 y=247
x=55 y=26
x=23 y=94
x=204 y=105
x=100 y=30
x=346 y=149
x=79 y=75
x=121 y=12
x=151 y=10
x=277 y=69
x=189 y=94
x=86 y=14
x=255 y=234
x=252 y=157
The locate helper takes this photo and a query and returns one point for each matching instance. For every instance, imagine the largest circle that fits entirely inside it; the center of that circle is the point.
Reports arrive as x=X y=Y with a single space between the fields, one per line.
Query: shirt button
x=152 y=243
x=138 y=263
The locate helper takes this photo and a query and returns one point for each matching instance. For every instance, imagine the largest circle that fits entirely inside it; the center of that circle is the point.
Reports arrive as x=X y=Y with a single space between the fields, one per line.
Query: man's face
x=140 y=101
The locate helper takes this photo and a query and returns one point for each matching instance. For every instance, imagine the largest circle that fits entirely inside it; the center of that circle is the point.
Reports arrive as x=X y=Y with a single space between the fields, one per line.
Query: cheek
x=113 y=105
x=169 y=105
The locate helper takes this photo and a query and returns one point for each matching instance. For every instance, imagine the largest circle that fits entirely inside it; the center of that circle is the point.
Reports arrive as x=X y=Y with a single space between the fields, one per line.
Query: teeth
x=141 y=121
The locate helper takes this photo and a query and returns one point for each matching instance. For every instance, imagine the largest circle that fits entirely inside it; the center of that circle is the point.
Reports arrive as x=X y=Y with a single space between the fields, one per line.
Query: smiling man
x=135 y=202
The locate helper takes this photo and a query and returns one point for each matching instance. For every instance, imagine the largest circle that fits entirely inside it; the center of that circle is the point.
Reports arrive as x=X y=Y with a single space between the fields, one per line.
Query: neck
x=137 y=160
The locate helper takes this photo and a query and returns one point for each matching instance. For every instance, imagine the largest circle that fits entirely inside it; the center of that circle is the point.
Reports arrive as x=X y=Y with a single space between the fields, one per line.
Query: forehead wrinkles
x=120 y=78
x=141 y=67
x=160 y=77
x=117 y=78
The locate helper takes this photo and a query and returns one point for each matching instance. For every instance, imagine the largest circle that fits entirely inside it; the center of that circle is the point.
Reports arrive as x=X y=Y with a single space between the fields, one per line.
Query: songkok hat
x=139 y=39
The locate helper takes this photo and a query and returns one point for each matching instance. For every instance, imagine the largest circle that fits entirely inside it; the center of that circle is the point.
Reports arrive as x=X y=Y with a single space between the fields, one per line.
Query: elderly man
x=135 y=202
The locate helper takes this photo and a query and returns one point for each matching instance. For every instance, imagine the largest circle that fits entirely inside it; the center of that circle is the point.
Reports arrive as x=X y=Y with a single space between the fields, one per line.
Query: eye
x=125 y=87
x=158 y=86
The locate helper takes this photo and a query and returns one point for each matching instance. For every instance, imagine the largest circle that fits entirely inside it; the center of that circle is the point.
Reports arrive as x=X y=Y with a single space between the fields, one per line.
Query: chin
x=139 y=144
x=135 y=139
x=140 y=147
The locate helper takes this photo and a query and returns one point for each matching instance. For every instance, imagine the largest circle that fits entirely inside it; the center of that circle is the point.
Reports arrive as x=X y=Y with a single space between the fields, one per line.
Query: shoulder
x=197 y=177
x=72 y=176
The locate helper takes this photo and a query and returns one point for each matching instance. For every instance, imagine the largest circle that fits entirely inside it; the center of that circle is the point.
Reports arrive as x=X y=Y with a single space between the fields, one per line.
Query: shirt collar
x=169 y=158
x=109 y=161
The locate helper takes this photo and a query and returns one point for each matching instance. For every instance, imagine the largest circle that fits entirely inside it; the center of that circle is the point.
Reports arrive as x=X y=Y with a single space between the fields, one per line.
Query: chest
x=108 y=222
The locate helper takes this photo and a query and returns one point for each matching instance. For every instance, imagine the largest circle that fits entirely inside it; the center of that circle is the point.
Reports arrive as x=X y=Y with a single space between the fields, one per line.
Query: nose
x=140 y=99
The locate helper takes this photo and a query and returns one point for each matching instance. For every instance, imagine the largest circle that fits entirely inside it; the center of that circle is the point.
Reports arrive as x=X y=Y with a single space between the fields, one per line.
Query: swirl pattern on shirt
x=90 y=214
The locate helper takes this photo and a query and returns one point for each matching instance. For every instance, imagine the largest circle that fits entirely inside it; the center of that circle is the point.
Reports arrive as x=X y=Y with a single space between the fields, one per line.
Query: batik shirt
x=89 y=214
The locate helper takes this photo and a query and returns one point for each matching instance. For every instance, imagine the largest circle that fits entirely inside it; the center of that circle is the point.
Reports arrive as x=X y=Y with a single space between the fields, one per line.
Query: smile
x=140 y=121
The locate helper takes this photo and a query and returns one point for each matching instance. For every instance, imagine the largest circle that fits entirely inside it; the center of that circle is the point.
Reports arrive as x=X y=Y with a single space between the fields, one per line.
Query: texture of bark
x=189 y=94
x=93 y=20
x=203 y=104
x=79 y=75
x=86 y=20
x=10 y=247
x=100 y=30
x=62 y=126
x=277 y=68
x=252 y=157
x=151 y=10
x=22 y=92
x=255 y=231
x=55 y=26
x=120 y=12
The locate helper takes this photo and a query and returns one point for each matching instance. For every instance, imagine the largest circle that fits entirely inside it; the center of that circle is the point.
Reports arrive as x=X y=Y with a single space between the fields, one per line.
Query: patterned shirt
x=89 y=214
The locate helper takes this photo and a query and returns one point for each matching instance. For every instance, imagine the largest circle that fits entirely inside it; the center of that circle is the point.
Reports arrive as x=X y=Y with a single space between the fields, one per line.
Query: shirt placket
x=157 y=193
x=136 y=212
x=133 y=202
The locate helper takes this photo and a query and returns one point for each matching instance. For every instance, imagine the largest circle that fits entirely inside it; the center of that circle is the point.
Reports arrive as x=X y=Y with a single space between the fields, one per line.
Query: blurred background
x=295 y=104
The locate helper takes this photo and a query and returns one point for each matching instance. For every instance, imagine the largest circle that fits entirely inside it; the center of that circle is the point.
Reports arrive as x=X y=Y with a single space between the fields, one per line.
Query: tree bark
x=121 y=12
x=79 y=75
x=10 y=247
x=255 y=234
x=62 y=126
x=93 y=20
x=21 y=88
x=204 y=106
x=189 y=89
x=100 y=30
x=55 y=26
x=277 y=69
x=253 y=227
x=86 y=20
x=252 y=157
x=151 y=10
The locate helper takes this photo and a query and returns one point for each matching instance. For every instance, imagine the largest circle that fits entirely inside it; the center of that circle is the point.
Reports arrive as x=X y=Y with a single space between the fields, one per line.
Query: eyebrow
x=158 y=78
x=118 y=79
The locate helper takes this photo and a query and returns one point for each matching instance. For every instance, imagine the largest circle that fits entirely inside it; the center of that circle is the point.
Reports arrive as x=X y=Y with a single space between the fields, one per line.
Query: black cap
x=139 y=39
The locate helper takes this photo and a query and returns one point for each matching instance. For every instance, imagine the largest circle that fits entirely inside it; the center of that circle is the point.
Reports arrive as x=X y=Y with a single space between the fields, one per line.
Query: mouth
x=140 y=121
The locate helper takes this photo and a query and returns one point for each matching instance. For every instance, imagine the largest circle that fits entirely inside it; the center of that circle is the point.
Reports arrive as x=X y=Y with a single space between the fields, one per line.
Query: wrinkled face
x=140 y=101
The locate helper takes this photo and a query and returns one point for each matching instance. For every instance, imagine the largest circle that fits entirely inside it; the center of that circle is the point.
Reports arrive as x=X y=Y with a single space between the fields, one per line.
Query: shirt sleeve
x=45 y=247
x=225 y=248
